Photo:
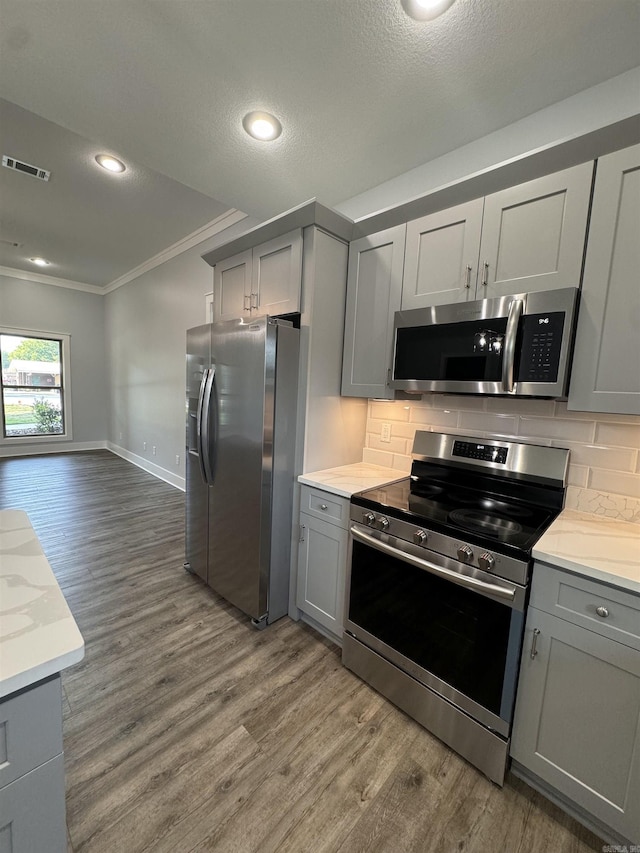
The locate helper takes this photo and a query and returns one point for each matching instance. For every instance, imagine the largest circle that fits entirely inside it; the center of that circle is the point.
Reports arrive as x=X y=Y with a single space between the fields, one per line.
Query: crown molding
x=27 y=275
x=228 y=218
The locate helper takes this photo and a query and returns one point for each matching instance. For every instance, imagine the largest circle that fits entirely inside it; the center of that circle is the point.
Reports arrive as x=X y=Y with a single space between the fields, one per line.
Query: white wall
x=145 y=323
x=40 y=307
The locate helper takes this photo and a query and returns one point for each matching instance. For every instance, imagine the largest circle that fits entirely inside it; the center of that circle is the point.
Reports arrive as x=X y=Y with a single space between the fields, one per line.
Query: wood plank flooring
x=185 y=729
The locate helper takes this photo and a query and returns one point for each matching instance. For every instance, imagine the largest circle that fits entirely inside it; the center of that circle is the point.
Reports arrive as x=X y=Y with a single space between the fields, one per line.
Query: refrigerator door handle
x=199 y=423
x=207 y=467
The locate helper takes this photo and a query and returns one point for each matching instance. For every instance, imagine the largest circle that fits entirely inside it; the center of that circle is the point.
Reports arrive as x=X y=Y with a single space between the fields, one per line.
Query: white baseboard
x=161 y=473
x=58 y=447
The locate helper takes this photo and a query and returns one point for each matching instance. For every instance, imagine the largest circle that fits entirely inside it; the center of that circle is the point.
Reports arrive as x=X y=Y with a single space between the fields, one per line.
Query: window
x=34 y=382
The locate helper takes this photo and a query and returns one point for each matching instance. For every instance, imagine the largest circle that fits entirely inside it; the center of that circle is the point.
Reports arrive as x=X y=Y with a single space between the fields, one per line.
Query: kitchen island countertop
x=593 y=546
x=38 y=634
x=346 y=480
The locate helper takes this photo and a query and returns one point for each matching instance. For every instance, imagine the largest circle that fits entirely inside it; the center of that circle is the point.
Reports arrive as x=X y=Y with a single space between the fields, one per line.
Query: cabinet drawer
x=30 y=729
x=324 y=505
x=611 y=612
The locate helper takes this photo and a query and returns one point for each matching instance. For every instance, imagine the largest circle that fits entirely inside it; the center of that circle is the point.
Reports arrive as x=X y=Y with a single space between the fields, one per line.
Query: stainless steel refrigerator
x=241 y=413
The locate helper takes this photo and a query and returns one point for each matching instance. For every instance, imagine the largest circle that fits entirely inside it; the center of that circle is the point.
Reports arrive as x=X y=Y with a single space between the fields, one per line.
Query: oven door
x=454 y=628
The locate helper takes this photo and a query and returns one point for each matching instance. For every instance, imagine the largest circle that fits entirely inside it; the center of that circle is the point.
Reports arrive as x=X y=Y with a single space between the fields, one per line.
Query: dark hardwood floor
x=185 y=729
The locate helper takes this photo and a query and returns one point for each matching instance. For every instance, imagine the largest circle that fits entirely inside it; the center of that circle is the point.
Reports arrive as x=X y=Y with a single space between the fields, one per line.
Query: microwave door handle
x=205 y=444
x=508 y=359
x=432 y=568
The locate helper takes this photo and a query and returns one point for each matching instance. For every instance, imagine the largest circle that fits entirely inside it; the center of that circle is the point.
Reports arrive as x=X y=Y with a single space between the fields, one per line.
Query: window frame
x=65 y=379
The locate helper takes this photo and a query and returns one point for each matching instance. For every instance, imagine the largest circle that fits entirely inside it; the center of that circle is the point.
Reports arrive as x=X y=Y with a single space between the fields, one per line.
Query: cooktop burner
x=483 y=522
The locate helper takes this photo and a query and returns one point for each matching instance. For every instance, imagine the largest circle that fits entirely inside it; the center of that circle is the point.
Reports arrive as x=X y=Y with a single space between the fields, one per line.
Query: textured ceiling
x=363 y=92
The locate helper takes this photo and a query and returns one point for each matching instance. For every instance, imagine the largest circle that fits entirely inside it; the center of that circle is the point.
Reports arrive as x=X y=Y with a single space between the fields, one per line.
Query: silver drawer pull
x=323 y=506
x=602 y=612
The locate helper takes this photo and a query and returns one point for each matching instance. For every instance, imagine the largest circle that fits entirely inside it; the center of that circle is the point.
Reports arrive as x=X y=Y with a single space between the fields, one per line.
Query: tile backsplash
x=604 y=461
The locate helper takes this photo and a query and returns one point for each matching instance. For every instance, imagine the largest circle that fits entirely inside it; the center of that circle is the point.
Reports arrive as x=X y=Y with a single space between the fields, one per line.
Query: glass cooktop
x=443 y=503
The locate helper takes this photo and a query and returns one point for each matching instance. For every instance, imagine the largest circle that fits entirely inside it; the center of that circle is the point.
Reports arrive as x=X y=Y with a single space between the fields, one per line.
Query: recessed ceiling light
x=40 y=262
x=110 y=163
x=426 y=10
x=262 y=126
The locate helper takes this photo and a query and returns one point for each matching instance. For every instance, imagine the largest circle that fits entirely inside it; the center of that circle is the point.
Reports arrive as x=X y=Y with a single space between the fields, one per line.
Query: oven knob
x=465 y=553
x=486 y=561
x=420 y=537
x=383 y=522
x=368 y=518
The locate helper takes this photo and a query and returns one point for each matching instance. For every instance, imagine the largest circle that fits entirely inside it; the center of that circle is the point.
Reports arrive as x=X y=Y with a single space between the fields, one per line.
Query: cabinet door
x=231 y=284
x=322 y=566
x=606 y=364
x=577 y=721
x=277 y=275
x=441 y=256
x=533 y=234
x=32 y=811
x=374 y=287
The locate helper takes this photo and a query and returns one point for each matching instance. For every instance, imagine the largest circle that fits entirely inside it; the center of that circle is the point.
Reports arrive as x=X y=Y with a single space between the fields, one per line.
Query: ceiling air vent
x=19 y=166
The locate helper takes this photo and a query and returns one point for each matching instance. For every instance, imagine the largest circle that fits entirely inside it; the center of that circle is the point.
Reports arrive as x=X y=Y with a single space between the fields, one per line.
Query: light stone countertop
x=38 y=634
x=348 y=479
x=590 y=545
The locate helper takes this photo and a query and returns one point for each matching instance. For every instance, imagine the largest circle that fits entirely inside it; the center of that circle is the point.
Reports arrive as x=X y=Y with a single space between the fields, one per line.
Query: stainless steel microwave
x=519 y=345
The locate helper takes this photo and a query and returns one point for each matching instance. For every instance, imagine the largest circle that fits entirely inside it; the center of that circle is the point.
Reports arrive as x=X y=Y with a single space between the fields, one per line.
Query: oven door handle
x=432 y=568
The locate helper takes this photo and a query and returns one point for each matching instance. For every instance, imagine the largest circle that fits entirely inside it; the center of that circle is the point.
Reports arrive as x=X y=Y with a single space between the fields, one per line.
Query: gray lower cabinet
x=577 y=720
x=606 y=364
x=374 y=288
x=32 y=792
x=322 y=558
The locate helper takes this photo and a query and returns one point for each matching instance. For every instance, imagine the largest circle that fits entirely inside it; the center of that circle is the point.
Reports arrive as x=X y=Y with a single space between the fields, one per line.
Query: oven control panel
x=484 y=452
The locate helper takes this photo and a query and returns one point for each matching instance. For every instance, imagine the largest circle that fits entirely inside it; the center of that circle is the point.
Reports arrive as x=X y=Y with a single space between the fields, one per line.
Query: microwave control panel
x=541 y=347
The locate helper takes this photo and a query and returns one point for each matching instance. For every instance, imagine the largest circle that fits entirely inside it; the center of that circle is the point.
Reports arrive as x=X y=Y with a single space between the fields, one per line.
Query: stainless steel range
x=439 y=569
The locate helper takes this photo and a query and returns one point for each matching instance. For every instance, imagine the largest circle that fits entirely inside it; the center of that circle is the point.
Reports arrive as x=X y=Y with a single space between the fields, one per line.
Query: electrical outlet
x=153 y=450
x=385 y=434
x=144 y=445
x=177 y=458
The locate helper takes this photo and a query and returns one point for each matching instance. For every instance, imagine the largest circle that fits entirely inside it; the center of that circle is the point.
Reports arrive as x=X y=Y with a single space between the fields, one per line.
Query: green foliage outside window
x=48 y=417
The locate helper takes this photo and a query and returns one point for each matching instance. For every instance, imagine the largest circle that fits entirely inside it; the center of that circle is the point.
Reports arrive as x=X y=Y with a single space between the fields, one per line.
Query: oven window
x=457 y=635
x=468 y=351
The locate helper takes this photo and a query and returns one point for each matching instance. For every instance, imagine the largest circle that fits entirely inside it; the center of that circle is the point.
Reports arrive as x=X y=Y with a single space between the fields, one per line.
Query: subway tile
x=615 y=482
x=558 y=428
x=529 y=439
x=488 y=423
x=577 y=475
x=396 y=445
x=563 y=412
x=621 y=435
x=458 y=401
x=519 y=406
x=402 y=463
x=376 y=457
x=394 y=410
x=402 y=430
x=434 y=417
x=600 y=456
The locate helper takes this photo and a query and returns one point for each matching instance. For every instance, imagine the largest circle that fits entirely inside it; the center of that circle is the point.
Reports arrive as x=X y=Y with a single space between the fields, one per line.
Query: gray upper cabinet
x=263 y=280
x=374 y=287
x=441 y=256
x=232 y=286
x=533 y=234
x=606 y=364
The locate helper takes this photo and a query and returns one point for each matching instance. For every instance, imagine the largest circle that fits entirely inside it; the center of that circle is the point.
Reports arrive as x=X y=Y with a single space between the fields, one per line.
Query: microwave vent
x=27 y=168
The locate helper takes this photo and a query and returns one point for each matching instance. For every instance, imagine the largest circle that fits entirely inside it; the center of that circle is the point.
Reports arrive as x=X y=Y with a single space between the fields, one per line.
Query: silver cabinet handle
x=509 y=352
x=534 y=651
x=323 y=506
x=467 y=280
x=485 y=273
x=301 y=533
x=602 y=611
x=254 y=300
x=247 y=302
